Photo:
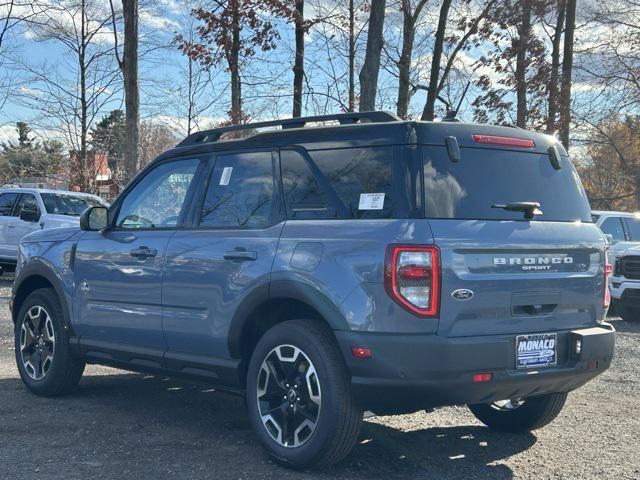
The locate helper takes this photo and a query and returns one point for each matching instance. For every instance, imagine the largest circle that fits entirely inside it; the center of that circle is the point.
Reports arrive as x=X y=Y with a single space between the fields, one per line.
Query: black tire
x=533 y=413
x=63 y=371
x=338 y=418
x=627 y=313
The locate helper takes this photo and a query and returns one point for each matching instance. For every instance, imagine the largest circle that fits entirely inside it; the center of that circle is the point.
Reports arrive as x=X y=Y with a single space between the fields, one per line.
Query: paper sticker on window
x=371 y=201
x=226 y=175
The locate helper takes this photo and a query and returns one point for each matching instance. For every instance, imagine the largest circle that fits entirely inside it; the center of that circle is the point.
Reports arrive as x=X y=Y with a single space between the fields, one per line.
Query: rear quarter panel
x=343 y=260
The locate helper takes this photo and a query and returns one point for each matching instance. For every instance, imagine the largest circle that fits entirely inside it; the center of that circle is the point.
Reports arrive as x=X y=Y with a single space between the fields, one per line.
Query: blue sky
x=267 y=78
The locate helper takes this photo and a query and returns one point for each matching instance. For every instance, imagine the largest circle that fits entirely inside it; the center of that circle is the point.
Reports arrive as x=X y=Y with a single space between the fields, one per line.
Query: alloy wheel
x=37 y=342
x=289 y=396
x=508 y=405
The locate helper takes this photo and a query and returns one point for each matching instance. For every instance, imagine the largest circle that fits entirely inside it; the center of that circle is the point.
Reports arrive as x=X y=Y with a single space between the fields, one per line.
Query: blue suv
x=331 y=266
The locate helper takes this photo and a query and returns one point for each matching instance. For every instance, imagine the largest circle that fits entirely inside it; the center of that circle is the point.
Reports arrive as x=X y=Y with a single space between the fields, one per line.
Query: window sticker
x=371 y=201
x=226 y=175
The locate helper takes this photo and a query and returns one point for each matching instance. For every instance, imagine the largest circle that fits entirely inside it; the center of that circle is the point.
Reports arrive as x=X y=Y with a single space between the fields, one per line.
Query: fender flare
x=40 y=268
x=283 y=290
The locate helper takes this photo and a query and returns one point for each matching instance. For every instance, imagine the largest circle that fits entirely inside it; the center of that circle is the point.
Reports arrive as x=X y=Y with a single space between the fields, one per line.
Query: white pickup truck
x=623 y=231
x=25 y=210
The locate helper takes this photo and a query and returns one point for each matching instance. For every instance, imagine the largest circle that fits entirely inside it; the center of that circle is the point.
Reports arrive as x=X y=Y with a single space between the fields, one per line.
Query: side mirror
x=30 y=213
x=94 y=219
x=609 y=238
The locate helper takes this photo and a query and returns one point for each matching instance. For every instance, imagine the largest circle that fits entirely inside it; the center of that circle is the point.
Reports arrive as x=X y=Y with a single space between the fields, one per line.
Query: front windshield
x=67 y=204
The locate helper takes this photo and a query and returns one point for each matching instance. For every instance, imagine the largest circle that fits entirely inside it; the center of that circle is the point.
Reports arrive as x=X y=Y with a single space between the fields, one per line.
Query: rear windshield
x=64 y=204
x=486 y=177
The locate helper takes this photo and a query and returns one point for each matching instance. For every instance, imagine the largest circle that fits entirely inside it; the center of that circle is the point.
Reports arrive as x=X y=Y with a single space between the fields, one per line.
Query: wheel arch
x=33 y=277
x=280 y=301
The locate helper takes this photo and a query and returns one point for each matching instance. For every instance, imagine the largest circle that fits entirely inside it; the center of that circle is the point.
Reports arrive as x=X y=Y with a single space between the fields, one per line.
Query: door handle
x=143 y=252
x=241 y=255
x=12 y=226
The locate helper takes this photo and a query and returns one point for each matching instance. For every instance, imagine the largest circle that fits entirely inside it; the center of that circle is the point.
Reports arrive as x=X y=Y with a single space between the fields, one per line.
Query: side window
x=6 y=203
x=304 y=197
x=26 y=199
x=158 y=199
x=613 y=227
x=633 y=227
x=240 y=192
x=361 y=177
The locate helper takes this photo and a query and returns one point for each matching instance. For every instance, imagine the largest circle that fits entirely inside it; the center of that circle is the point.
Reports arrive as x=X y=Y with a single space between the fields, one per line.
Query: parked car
x=322 y=271
x=623 y=231
x=26 y=210
x=622 y=227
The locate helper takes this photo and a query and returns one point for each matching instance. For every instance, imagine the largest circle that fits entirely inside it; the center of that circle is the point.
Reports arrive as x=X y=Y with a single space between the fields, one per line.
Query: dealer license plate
x=536 y=350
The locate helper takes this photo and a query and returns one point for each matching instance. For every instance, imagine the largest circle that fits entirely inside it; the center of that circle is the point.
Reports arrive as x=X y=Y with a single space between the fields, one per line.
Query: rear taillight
x=608 y=270
x=412 y=278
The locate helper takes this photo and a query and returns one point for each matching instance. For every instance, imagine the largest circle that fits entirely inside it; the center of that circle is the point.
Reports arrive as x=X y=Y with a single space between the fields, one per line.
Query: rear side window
x=6 y=203
x=633 y=227
x=361 y=178
x=240 y=192
x=304 y=197
x=613 y=226
x=484 y=177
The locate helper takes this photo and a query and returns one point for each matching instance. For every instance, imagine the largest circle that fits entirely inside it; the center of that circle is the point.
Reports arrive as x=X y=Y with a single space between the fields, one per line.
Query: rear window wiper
x=530 y=209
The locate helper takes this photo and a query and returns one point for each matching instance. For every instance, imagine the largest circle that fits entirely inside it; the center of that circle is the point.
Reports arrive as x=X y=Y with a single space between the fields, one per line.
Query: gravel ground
x=123 y=425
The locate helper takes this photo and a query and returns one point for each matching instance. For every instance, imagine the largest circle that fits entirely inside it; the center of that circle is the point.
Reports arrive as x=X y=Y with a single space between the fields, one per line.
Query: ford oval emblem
x=462 y=294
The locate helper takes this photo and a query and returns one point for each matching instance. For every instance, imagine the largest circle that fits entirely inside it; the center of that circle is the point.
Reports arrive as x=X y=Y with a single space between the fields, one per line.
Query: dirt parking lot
x=123 y=425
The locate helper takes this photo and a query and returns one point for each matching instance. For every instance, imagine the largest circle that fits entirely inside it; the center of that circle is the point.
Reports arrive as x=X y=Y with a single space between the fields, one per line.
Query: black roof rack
x=214 y=134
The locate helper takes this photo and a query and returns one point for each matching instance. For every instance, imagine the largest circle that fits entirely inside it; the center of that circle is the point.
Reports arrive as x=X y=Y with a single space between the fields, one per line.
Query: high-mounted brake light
x=412 y=279
x=504 y=141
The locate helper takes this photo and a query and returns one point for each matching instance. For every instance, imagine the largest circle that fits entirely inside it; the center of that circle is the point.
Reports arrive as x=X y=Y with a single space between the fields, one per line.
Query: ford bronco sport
x=328 y=267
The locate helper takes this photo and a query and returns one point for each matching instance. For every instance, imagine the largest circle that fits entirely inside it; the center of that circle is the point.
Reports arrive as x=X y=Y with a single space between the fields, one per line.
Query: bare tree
x=154 y=139
x=410 y=16
x=475 y=29
x=556 y=41
x=128 y=64
x=298 y=66
x=70 y=96
x=231 y=32
x=371 y=68
x=335 y=54
x=438 y=45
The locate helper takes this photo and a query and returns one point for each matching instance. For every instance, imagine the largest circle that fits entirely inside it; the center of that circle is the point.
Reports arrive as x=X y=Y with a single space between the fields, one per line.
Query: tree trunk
x=432 y=93
x=521 y=64
x=404 y=64
x=131 y=91
x=371 y=67
x=298 y=67
x=352 y=56
x=555 y=68
x=234 y=68
x=190 y=110
x=567 y=66
x=84 y=174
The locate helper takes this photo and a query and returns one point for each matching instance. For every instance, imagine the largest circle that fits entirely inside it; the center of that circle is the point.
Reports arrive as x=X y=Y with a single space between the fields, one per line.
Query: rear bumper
x=412 y=372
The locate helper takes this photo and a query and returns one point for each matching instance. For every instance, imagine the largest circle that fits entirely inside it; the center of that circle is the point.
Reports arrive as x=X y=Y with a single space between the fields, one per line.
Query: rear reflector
x=504 y=141
x=360 y=352
x=482 y=377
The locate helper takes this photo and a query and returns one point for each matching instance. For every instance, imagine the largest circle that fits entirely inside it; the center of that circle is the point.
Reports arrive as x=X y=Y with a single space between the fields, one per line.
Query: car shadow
x=145 y=425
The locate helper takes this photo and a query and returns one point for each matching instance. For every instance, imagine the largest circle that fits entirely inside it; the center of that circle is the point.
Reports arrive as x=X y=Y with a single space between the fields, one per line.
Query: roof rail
x=214 y=134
